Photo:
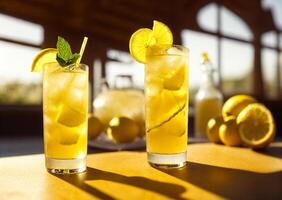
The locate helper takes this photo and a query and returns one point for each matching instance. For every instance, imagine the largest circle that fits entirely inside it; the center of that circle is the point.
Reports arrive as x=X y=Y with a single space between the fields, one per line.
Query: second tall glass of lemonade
x=65 y=108
x=166 y=91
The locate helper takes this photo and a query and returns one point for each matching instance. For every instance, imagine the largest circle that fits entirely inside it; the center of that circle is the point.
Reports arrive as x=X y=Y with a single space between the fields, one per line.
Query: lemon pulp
x=256 y=125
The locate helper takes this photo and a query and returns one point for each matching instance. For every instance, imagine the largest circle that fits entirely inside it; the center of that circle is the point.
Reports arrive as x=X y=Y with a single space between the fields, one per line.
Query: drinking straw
x=82 y=50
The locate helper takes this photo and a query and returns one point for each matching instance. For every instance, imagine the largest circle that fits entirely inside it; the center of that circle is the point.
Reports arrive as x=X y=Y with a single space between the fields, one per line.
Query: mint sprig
x=65 y=56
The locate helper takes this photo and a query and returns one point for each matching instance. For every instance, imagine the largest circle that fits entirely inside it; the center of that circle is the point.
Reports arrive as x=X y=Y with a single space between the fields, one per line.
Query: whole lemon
x=95 y=127
x=122 y=130
x=234 y=105
x=213 y=129
x=228 y=132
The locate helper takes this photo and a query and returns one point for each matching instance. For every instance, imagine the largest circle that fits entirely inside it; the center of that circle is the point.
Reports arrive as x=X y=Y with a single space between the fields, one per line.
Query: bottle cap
x=206 y=64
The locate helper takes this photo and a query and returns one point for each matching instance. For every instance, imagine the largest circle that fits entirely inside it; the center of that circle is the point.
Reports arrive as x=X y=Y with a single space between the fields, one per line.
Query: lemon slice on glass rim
x=44 y=56
x=144 y=39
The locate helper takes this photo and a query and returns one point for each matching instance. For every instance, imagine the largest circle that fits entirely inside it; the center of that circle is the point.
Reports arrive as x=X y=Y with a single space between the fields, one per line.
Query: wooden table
x=213 y=172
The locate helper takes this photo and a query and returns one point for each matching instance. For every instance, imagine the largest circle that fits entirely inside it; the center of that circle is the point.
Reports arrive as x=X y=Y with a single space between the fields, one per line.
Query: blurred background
x=243 y=39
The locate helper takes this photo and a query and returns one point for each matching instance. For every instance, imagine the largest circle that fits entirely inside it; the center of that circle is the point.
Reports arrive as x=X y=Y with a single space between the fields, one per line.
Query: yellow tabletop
x=213 y=172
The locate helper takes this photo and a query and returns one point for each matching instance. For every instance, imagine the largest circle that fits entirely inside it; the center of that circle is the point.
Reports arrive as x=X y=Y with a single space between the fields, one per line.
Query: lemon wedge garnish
x=145 y=38
x=69 y=138
x=44 y=56
x=70 y=117
x=176 y=79
x=256 y=125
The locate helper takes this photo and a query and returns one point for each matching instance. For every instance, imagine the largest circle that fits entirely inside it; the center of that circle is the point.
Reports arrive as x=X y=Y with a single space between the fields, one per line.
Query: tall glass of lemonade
x=65 y=108
x=166 y=92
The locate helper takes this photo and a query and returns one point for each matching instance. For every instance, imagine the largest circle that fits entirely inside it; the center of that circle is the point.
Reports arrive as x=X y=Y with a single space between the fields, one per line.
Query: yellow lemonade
x=206 y=109
x=166 y=94
x=166 y=91
x=65 y=108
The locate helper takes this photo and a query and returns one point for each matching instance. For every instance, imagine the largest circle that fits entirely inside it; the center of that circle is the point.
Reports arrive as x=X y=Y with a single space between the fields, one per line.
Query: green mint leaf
x=64 y=49
x=61 y=61
x=64 y=55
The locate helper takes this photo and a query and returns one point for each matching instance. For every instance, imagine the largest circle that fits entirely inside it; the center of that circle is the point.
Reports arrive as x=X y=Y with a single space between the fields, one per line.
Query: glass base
x=65 y=166
x=167 y=161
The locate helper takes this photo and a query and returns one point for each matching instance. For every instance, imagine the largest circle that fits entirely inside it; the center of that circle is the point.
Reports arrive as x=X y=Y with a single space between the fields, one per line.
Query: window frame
x=219 y=35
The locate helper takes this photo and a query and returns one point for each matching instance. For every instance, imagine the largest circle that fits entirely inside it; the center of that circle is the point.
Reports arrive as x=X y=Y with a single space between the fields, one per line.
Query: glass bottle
x=208 y=100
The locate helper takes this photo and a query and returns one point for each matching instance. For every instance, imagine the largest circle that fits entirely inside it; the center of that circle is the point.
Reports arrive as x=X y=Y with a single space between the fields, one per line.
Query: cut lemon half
x=256 y=125
x=175 y=80
x=145 y=38
x=44 y=56
x=70 y=117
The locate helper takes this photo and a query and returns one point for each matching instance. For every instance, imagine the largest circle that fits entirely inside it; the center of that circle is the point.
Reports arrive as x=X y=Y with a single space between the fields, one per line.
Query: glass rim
x=184 y=51
x=65 y=68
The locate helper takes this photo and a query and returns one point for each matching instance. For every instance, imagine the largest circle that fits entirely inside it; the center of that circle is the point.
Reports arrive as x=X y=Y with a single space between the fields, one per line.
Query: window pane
x=269 y=71
x=237 y=67
x=233 y=25
x=269 y=39
x=276 y=9
x=17 y=29
x=17 y=83
x=197 y=43
x=136 y=70
x=280 y=41
x=97 y=74
x=119 y=55
x=280 y=65
x=207 y=17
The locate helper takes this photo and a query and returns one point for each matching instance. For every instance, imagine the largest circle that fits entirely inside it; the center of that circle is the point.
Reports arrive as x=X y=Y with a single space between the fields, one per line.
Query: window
x=120 y=63
x=280 y=41
x=197 y=43
x=19 y=43
x=269 y=66
x=280 y=69
x=207 y=17
x=269 y=39
x=232 y=39
x=276 y=7
x=135 y=70
x=97 y=73
x=18 y=84
x=271 y=53
x=20 y=30
x=237 y=66
x=234 y=26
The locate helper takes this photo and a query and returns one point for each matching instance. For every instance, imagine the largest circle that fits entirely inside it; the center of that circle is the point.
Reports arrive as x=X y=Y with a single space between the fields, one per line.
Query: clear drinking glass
x=65 y=110
x=166 y=93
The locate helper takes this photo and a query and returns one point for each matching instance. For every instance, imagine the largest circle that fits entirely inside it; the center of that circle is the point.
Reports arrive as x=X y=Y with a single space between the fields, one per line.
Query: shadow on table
x=169 y=190
x=274 y=151
x=231 y=183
